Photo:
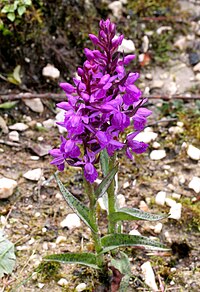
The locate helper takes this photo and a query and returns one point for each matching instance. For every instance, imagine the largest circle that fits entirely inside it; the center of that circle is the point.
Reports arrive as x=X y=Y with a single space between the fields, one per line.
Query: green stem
x=111 y=198
x=89 y=188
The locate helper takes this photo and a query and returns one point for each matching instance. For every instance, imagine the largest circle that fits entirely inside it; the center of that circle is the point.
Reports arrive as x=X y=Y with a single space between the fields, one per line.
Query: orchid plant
x=101 y=104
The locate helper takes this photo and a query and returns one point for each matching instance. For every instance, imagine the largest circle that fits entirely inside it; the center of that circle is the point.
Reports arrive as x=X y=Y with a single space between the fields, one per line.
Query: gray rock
x=116 y=8
x=127 y=46
x=149 y=276
x=71 y=221
x=157 y=154
x=34 y=104
x=13 y=136
x=51 y=72
x=193 y=152
x=19 y=127
x=7 y=187
x=34 y=174
x=195 y=184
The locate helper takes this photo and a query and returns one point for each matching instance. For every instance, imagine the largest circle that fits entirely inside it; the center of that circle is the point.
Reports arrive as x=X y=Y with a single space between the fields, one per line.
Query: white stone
x=13 y=136
x=62 y=282
x=34 y=104
x=31 y=241
x=158 y=228
x=181 y=43
x=163 y=28
x=195 y=184
x=58 y=196
x=81 y=287
x=40 y=139
x=170 y=202
x=135 y=232
x=19 y=127
x=157 y=84
x=157 y=154
x=121 y=201
x=48 y=124
x=40 y=285
x=61 y=239
x=197 y=77
x=196 y=67
x=145 y=43
x=127 y=46
x=71 y=221
x=126 y=185
x=34 y=174
x=34 y=157
x=156 y=145
x=149 y=76
x=175 y=130
x=180 y=124
x=149 y=276
x=7 y=187
x=102 y=204
x=193 y=152
x=176 y=196
x=175 y=211
x=116 y=8
x=51 y=72
x=146 y=137
x=160 y=198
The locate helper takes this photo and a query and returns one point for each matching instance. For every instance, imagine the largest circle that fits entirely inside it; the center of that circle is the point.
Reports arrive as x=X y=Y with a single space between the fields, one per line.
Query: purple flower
x=98 y=109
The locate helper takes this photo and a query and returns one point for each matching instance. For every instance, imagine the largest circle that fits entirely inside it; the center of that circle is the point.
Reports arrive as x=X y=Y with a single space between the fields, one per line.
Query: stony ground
x=164 y=179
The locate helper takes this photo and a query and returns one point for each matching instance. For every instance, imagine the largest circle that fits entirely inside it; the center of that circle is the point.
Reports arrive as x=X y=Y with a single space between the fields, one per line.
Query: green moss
x=191 y=214
x=48 y=271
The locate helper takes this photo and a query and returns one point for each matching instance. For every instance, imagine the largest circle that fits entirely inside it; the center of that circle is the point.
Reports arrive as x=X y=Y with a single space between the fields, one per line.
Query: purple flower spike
x=101 y=104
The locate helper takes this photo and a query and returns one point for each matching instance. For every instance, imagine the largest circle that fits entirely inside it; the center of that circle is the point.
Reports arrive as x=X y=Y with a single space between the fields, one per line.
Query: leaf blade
x=87 y=259
x=7 y=256
x=103 y=186
x=135 y=214
x=112 y=241
x=81 y=210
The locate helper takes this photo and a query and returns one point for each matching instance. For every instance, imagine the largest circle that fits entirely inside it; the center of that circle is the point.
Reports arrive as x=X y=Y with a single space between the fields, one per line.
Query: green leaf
x=87 y=259
x=28 y=2
x=103 y=186
x=21 y=10
x=8 y=104
x=112 y=241
x=7 y=255
x=16 y=74
x=104 y=158
x=11 y=16
x=135 y=214
x=123 y=265
x=81 y=210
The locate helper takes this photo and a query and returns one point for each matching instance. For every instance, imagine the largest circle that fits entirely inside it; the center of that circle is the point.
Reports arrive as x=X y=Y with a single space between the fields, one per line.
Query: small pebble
x=176 y=196
x=127 y=46
x=40 y=285
x=175 y=211
x=175 y=130
x=31 y=241
x=158 y=228
x=40 y=139
x=71 y=221
x=19 y=127
x=197 y=67
x=195 y=184
x=34 y=174
x=13 y=136
x=157 y=154
x=149 y=76
x=48 y=124
x=160 y=198
x=126 y=185
x=193 y=152
x=35 y=158
x=58 y=196
x=170 y=202
x=62 y=282
x=146 y=137
x=149 y=276
x=121 y=201
x=7 y=187
x=37 y=214
x=81 y=287
x=61 y=239
x=34 y=104
x=51 y=72
x=135 y=232
x=156 y=145
x=143 y=206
